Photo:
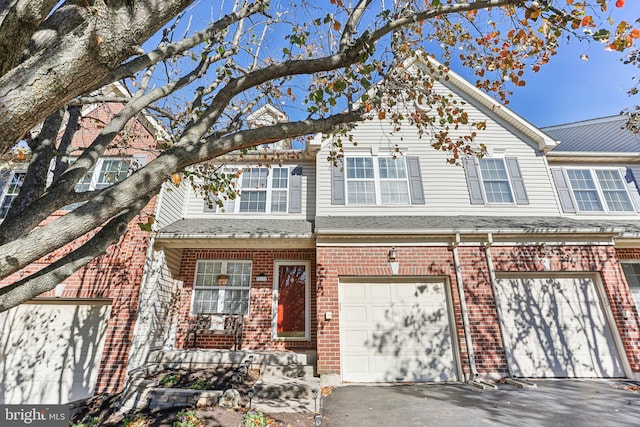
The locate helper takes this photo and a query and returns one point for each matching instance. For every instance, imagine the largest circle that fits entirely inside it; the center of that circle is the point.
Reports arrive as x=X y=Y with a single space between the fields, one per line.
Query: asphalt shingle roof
x=218 y=227
x=239 y=227
x=469 y=224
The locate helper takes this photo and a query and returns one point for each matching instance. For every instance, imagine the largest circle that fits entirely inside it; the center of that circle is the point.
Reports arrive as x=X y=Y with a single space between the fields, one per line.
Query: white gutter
x=472 y=231
x=463 y=307
x=174 y=236
x=492 y=279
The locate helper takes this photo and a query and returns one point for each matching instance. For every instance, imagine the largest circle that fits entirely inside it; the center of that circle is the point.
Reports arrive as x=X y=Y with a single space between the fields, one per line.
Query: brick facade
x=118 y=273
x=336 y=262
x=116 y=276
x=257 y=327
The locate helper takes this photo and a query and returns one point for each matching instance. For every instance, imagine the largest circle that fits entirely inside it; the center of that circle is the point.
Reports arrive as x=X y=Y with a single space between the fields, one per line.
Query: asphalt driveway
x=551 y=403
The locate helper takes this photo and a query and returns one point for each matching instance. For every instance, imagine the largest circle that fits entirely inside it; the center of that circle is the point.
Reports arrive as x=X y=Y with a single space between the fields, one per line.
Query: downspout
x=463 y=307
x=492 y=279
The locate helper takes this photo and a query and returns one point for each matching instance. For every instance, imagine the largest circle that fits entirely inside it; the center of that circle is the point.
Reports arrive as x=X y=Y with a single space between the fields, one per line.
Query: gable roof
x=543 y=141
x=601 y=135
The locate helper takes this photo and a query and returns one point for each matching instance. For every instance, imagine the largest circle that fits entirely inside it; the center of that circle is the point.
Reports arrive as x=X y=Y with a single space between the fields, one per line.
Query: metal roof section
x=426 y=225
x=605 y=135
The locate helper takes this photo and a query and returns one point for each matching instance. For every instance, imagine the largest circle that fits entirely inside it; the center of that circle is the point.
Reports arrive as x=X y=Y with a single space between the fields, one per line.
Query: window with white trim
x=632 y=273
x=495 y=180
x=221 y=287
x=262 y=190
x=11 y=192
x=105 y=172
x=599 y=190
x=376 y=181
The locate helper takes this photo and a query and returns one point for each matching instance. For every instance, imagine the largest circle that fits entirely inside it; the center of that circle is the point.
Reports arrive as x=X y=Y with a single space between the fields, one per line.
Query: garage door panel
x=381 y=292
x=51 y=352
x=356 y=314
x=556 y=327
x=409 y=333
x=379 y=317
x=357 y=364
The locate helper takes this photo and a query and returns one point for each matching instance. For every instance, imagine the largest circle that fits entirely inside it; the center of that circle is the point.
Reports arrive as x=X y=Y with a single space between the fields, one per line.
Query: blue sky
x=569 y=89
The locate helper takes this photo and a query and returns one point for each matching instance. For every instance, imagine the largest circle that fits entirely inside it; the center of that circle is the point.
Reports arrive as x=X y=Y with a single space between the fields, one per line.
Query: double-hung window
x=376 y=181
x=262 y=190
x=495 y=180
x=599 y=190
x=11 y=192
x=221 y=287
x=102 y=174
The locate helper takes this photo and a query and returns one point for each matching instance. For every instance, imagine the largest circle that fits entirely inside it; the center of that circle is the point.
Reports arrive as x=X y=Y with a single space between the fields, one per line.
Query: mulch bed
x=104 y=406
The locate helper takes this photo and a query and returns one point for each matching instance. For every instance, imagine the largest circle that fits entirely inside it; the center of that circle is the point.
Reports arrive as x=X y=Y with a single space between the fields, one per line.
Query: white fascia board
x=592 y=156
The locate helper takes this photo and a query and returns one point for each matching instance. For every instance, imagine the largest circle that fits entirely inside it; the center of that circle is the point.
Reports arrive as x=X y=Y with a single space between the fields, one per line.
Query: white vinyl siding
x=210 y=296
x=598 y=190
x=445 y=185
x=171 y=204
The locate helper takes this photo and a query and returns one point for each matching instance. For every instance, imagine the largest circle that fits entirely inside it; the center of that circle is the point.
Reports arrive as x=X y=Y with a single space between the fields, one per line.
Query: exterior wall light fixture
x=392 y=259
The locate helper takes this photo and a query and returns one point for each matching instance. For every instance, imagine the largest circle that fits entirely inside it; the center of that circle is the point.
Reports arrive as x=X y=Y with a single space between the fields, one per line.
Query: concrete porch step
x=202 y=358
x=278 y=394
x=287 y=371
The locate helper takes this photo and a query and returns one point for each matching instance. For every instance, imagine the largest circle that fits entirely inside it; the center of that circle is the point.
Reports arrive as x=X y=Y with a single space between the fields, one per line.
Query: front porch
x=285 y=379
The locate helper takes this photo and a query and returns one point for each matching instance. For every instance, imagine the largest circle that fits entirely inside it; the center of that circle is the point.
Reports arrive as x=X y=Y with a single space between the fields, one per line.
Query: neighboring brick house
x=397 y=266
x=74 y=341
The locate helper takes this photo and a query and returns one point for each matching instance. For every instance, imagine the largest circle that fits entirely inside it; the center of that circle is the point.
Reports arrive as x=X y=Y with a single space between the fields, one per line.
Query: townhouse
x=397 y=266
x=393 y=266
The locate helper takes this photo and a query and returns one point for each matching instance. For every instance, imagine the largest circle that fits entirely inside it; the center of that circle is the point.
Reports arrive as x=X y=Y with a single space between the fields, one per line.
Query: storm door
x=291 y=300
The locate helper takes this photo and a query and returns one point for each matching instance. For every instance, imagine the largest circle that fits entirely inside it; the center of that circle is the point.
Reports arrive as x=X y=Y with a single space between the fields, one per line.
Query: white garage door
x=50 y=353
x=393 y=332
x=556 y=327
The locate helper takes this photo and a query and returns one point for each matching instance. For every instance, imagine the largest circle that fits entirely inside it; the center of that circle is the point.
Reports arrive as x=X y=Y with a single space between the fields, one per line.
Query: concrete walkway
x=552 y=403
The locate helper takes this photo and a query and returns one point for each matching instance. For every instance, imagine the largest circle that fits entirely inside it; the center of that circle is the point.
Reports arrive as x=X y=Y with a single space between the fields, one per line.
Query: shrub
x=257 y=419
x=188 y=418
x=201 y=385
x=134 y=421
x=169 y=380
